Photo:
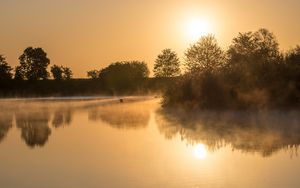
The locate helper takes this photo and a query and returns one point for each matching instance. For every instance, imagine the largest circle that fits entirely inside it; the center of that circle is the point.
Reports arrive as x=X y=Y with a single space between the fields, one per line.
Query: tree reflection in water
x=33 y=118
x=253 y=132
x=35 y=121
x=132 y=115
x=264 y=132
x=34 y=126
x=6 y=119
x=62 y=117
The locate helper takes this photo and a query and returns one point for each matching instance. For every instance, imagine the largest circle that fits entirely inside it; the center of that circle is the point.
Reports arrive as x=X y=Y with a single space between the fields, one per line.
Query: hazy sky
x=90 y=34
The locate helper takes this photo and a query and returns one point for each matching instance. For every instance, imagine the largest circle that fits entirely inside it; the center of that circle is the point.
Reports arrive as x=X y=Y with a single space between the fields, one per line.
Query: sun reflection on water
x=200 y=151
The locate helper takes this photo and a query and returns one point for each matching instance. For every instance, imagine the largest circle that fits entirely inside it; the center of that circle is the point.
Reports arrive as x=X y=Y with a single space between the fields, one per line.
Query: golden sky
x=90 y=34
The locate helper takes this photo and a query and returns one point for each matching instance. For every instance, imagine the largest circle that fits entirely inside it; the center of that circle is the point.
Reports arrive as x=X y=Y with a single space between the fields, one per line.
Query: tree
x=61 y=72
x=33 y=64
x=124 y=75
x=254 y=59
x=67 y=73
x=19 y=73
x=292 y=64
x=93 y=74
x=167 y=64
x=260 y=46
x=205 y=55
x=57 y=72
x=293 y=57
x=266 y=45
x=5 y=69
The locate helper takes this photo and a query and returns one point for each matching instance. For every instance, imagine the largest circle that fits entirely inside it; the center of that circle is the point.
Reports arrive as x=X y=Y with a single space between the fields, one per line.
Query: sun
x=196 y=28
x=200 y=151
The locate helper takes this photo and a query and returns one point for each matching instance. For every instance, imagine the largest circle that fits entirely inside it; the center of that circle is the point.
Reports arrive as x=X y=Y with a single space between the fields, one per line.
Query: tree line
x=253 y=73
x=33 y=64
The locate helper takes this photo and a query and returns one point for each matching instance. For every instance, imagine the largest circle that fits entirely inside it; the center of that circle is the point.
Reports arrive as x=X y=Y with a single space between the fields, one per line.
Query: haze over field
x=88 y=34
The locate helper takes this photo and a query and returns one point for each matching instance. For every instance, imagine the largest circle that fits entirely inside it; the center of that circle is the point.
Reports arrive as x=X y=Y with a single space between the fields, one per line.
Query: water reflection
x=5 y=124
x=200 y=151
x=123 y=115
x=252 y=132
x=264 y=133
x=62 y=117
x=35 y=118
x=34 y=126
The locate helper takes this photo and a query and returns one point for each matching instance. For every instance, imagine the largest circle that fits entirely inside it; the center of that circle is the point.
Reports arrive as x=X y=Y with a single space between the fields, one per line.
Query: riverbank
x=78 y=87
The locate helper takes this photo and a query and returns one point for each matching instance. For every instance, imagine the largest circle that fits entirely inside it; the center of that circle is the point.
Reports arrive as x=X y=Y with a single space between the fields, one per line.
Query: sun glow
x=196 y=28
x=200 y=151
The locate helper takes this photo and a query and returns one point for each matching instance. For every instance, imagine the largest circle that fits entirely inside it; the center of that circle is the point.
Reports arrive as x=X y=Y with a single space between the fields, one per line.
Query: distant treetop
x=167 y=64
x=204 y=55
x=33 y=65
x=5 y=69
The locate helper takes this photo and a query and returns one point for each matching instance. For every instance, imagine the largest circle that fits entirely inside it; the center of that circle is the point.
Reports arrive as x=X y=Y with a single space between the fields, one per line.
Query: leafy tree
x=254 y=59
x=93 y=74
x=266 y=45
x=5 y=69
x=293 y=57
x=205 y=55
x=57 y=72
x=124 y=75
x=19 y=73
x=33 y=64
x=67 y=73
x=167 y=64
x=292 y=65
x=61 y=72
x=260 y=46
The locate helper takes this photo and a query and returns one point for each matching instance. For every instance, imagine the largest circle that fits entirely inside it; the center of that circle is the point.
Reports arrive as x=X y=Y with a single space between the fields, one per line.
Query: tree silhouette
x=205 y=55
x=67 y=73
x=93 y=74
x=292 y=74
x=260 y=46
x=19 y=73
x=254 y=75
x=61 y=72
x=124 y=75
x=57 y=72
x=266 y=45
x=33 y=64
x=293 y=57
x=5 y=69
x=167 y=64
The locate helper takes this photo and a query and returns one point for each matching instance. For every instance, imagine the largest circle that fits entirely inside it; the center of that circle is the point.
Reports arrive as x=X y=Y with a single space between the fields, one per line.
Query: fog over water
x=94 y=142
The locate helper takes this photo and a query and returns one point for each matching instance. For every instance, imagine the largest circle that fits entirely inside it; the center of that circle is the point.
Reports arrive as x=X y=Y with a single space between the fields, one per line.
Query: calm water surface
x=105 y=143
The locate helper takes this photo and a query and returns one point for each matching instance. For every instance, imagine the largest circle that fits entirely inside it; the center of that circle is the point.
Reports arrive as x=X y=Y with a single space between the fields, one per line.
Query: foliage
x=205 y=55
x=293 y=57
x=5 y=69
x=93 y=74
x=124 y=75
x=57 y=72
x=167 y=64
x=253 y=75
x=19 y=73
x=67 y=73
x=61 y=72
x=33 y=65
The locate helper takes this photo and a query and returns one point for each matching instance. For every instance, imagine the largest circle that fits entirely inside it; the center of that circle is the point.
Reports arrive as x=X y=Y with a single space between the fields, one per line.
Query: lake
x=102 y=142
